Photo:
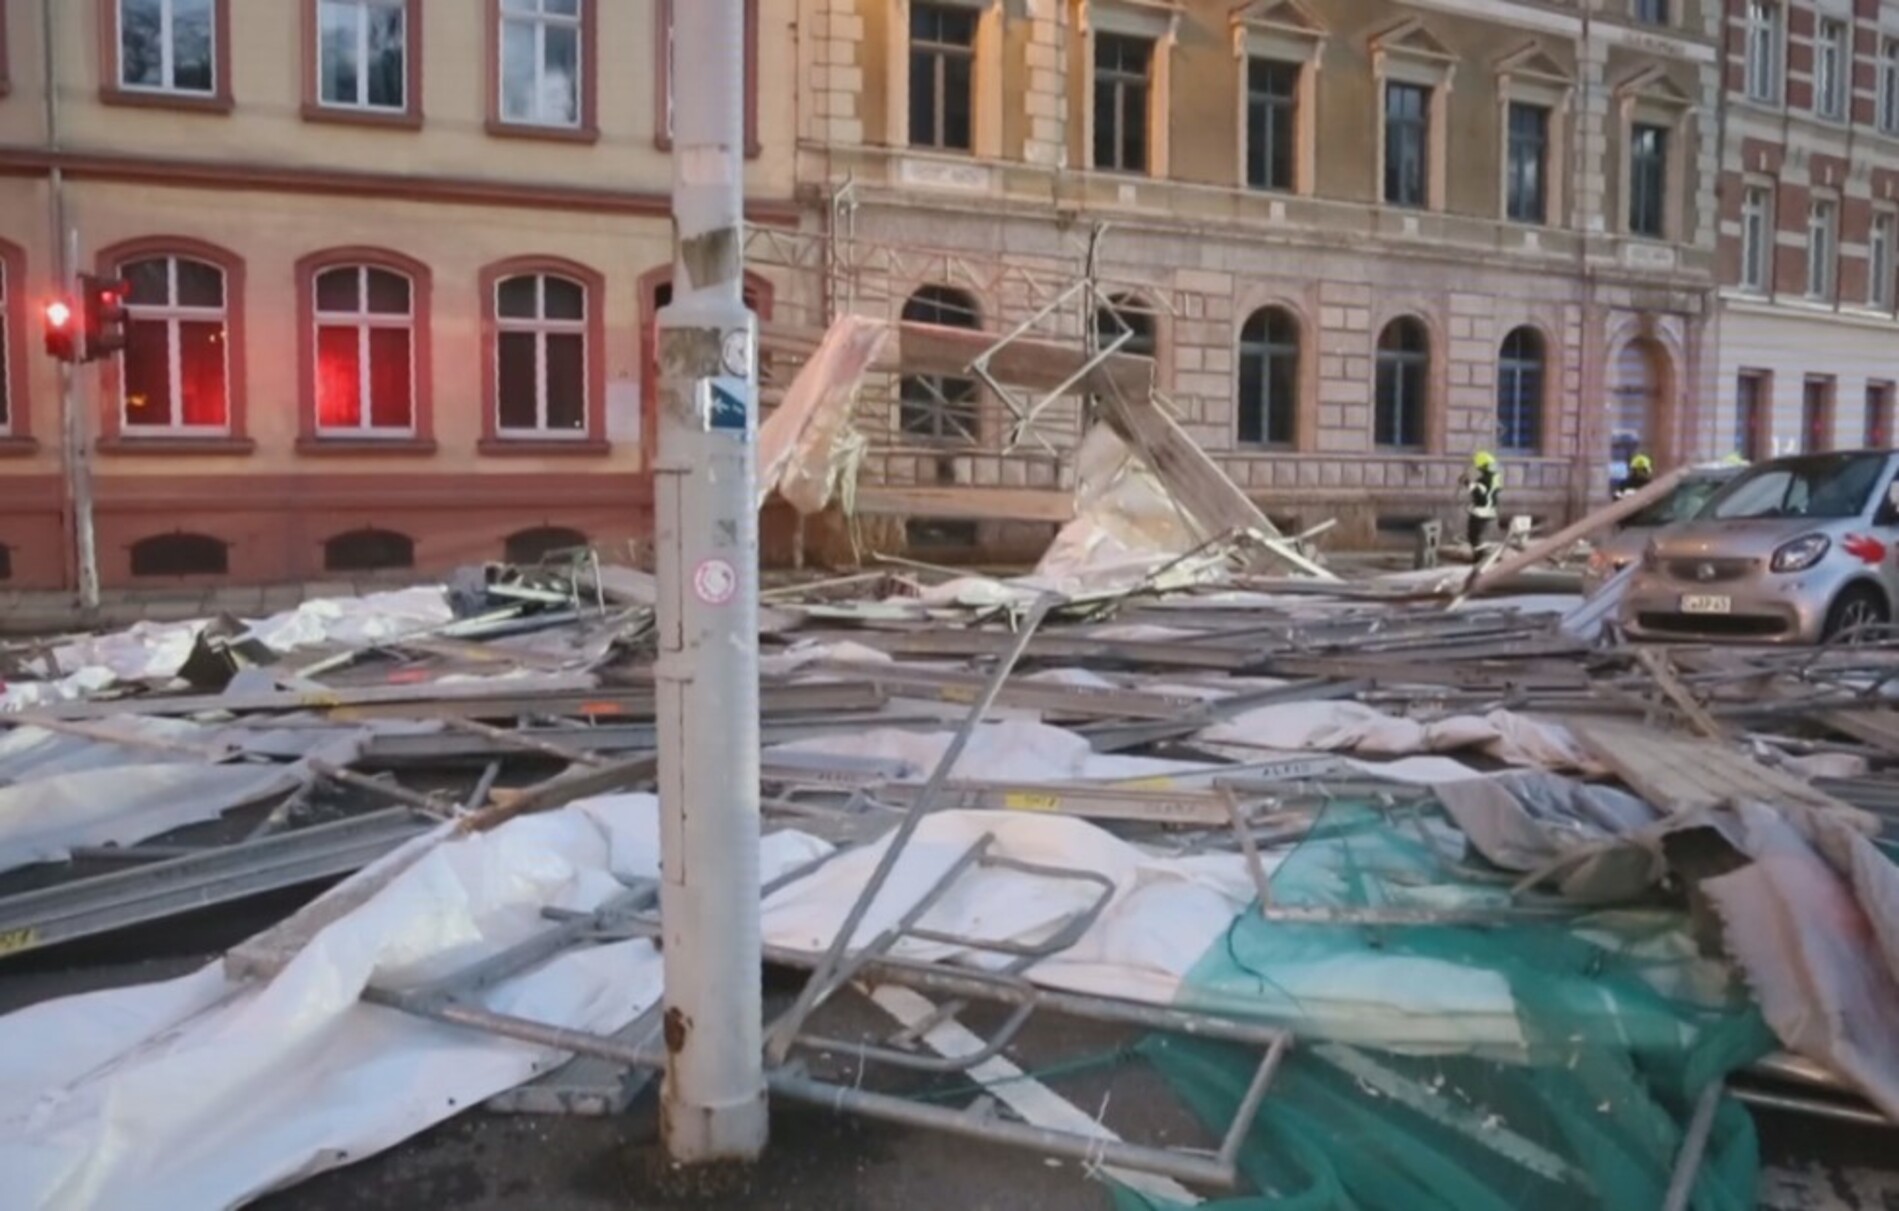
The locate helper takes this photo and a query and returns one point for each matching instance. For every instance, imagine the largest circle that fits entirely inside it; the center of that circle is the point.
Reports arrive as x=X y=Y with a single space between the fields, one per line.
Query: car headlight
x=1801 y=553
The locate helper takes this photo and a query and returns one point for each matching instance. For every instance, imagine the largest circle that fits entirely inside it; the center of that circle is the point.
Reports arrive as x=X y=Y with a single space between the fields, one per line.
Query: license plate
x=1707 y=605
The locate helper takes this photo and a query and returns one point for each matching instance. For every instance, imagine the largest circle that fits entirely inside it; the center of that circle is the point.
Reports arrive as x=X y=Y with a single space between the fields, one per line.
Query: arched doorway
x=1638 y=406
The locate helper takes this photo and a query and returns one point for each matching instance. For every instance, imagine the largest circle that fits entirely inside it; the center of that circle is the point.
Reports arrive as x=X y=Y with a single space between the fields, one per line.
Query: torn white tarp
x=1019 y=750
x=1812 y=922
x=156 y=651
x=1353 y=727
x=42 y=820
x=202 y=1093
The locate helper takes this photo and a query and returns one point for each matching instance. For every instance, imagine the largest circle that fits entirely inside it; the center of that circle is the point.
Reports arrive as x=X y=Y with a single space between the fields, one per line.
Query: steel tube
x=1681 y=1183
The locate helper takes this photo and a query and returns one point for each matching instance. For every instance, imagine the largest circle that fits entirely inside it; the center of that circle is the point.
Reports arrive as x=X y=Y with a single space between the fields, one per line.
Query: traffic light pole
x=706 y=522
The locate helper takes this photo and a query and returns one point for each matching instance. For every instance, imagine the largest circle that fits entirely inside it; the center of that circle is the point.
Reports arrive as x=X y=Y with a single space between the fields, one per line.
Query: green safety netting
x=1548 y=1063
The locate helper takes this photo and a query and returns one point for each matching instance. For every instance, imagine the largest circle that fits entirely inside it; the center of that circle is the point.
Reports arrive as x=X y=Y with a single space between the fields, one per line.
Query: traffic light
x=63 y=338
x=104 y=315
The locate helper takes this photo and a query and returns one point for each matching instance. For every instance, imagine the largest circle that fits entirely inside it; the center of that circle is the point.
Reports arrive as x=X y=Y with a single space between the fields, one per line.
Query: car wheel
x=1860 y=606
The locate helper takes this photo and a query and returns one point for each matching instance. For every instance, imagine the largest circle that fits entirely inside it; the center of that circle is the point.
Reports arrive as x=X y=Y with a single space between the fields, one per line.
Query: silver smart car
x=1791 y=551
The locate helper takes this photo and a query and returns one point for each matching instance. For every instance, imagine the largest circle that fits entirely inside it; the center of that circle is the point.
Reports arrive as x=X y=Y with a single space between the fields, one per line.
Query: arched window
x=180 y=554
x=540 y=356
x=1520 y=391
x=933 y=406
x=1269 y=378
x=368 y=550
x=1126 y=314
x=1635 y=392
x=365 y=352
x=532 y=546
x=1404 y=372
x=176 y=372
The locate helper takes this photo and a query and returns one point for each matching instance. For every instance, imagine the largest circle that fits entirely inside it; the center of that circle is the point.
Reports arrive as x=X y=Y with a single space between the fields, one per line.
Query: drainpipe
x=73 y=427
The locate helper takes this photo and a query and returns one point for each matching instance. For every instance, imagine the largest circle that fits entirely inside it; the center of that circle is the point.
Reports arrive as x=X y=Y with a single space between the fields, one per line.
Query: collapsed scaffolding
x=1072 y=376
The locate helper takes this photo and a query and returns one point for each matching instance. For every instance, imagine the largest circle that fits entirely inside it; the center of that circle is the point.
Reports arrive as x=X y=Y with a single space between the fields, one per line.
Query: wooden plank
x=1052 y=697
x=1879 y=728
x=1663 y=670
x=1677 y=775
x=816 y=408
x=968 y=504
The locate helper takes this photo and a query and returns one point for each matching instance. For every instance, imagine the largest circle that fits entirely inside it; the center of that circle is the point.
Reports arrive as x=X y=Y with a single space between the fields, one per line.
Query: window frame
x=1421 y=125
x=312 y=437
x=174 y=315
x=1819 y=421
x=1252 y=102
x=16 y=413
x=1753 y=419
x=1886 y=102
x=1511 y=144
x=940 y=54
x=1657 y=190
x=1832 y=68
x=1878 y=418
x=585 y=128
x=1823 y=237
x=1265 y=351
x=1511 y=371
x=1757 y=252
x=114 y=91
x=363 y=321
x=1655 y=13
x=316 y=109
x=541 y=326
x=1882 y=281
x=1122 y=81
x=1764 y=55
x=593 y=439
x=1399 y=361
x=663 y=74
x=944 y=408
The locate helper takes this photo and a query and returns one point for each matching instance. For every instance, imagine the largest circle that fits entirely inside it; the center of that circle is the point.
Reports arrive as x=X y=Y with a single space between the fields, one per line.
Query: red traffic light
x=62 y=332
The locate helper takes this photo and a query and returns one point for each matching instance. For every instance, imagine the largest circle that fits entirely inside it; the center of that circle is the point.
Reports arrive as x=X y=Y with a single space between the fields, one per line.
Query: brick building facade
x=1809 y=266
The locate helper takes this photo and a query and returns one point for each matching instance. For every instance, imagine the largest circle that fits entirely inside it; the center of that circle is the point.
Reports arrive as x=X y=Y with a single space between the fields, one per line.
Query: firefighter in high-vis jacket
x=1482 y=486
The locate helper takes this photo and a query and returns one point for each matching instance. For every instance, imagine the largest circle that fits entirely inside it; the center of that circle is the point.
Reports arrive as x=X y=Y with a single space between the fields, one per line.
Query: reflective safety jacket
x=1483 y=490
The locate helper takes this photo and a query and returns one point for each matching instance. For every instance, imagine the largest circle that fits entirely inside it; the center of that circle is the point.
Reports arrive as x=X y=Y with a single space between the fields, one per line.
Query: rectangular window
x=1757 y=237
x=1751 y=416
x=1121 y=102
x=1648 y=181
x=1763 y=50
x=6 y=368
x=1272 y=104
x=1529 y=155
x=1829 y=70
x=1889 y=87
x=541 y=356
x=362 y=54
x=1878 y=415
x=1822 y=218
x=1880 y=284
x=174 y=370
x=365 y=361
x=168 y=46
x=540 y=62
x=1407 y=143
x=1816 y=415
x=942 y=74
x=1651 y=12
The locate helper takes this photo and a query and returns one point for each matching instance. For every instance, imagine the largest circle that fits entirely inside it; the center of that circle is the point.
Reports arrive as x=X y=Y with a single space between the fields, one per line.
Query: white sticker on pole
x=714 y=581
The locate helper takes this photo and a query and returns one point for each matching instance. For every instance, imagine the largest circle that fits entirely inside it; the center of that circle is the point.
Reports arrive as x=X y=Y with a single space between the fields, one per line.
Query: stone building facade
x=1312 y=203
x=1809 y=268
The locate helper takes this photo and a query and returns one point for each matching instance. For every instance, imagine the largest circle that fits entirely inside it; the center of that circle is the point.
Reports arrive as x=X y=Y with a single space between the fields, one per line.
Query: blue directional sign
x=729 y=404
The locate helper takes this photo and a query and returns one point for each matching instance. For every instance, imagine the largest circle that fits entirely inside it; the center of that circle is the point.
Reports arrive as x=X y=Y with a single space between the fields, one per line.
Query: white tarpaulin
x=202 y=1093
x=1353 y=727
x=1019 y=750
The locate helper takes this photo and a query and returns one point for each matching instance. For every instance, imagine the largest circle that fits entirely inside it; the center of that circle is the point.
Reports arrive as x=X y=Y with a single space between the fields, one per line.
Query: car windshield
x=1835 y=486
x=1684 y=503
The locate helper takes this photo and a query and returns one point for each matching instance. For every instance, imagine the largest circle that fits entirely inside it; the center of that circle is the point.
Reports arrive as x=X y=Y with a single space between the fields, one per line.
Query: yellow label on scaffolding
x=959 y=693
x=17 y=939
x=1029 y=801
x=1159 y=783
x=321 y=699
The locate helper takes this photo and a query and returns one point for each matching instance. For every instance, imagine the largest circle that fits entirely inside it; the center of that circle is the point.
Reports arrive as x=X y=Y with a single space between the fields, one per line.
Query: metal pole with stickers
x=706 y=529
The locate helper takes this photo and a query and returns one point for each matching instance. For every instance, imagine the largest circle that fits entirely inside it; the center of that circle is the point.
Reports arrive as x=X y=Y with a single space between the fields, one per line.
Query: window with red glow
x=365 y=359
x=177 y=356
x=541 y=356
